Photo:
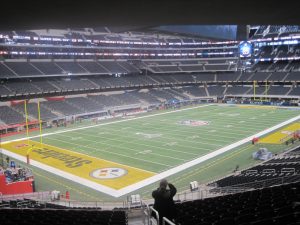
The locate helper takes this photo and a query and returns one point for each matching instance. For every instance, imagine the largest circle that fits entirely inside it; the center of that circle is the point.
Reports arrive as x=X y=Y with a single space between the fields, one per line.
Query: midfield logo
x=194 y=123
x=108 y=173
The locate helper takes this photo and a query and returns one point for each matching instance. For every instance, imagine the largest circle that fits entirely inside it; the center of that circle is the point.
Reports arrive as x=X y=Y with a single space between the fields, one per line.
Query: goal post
x=30 y=147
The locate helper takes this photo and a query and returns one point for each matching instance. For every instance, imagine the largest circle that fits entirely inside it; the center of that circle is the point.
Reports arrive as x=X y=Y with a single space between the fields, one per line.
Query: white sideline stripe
x=194 y=162
x=61 y=173
x=254 y=106
x=103 y=124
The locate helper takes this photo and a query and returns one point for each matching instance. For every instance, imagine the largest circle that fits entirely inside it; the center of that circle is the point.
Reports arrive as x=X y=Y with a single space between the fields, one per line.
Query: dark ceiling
x=33 y=14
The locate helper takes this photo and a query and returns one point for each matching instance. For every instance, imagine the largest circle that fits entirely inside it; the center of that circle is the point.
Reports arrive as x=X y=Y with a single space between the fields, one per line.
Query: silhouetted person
x=163 y=200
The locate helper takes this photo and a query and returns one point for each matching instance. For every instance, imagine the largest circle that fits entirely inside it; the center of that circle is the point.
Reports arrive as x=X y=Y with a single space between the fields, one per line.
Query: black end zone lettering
x=79 y=163
x=69 y=160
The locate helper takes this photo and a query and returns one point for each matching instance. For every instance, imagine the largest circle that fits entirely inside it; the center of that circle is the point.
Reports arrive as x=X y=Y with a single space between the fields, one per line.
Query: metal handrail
x=167 y=221
x=2 y=205
x=36 y=195
x=146 y=213
x=89 y=204
x=156 y=214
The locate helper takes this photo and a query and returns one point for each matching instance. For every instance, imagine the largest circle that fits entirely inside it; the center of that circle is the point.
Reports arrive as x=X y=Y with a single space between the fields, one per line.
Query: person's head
x=163 y=184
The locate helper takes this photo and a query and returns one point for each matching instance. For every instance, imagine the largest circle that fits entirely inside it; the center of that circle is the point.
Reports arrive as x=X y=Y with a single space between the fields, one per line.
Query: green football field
x=162 y=140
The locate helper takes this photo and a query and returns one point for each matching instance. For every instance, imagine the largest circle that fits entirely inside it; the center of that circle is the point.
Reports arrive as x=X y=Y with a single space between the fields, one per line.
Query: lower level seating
x=9 y=116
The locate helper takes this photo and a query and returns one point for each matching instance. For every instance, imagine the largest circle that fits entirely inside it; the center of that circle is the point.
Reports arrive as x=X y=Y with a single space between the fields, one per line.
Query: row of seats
x=286 y=159
x=79 y=105
x=62 y=217
x=254 y=180
x=63 y=84
x=280 y=169
x=37 y=69
x=265 y=70
x=275 y=205
x=76 y=84
x=192 y=68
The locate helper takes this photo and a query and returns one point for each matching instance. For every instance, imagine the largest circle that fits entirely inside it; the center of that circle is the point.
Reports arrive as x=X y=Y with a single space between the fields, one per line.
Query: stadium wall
x=20 y=187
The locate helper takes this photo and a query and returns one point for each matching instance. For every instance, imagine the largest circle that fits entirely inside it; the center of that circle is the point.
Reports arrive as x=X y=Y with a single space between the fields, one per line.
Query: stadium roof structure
x=33 y=14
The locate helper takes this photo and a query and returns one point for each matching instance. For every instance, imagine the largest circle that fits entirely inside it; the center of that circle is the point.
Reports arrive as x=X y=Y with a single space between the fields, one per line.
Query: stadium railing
x=152 y=219
x=40 y=196
x=202 y=193
x=90 y=204
x=166 y=221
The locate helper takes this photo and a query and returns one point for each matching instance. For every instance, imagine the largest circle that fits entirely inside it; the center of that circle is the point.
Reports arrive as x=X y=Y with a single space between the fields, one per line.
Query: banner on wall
x=57 y=98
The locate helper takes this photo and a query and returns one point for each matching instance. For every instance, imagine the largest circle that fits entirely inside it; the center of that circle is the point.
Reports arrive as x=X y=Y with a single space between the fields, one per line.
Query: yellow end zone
x=280 y=136
x=100 y=171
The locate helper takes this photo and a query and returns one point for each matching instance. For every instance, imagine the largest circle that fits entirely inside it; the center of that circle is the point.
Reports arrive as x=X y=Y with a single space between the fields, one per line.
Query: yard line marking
x=170 y=143
x=150 y=146
x=177 y=131
x=213 y=163
x=194 y=162
x=143 y=152
x=163 y=137
x=130 y=149
x=258 y=122
x=205 y=167
x=168 y=130
x=114 y=153
x=103 y=124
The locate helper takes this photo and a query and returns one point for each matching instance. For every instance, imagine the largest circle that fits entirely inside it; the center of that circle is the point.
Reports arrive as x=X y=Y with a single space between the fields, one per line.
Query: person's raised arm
x=173 y=189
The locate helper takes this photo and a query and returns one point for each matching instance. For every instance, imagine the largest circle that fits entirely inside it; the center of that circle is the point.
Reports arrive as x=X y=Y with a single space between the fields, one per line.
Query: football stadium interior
x=92 y=119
